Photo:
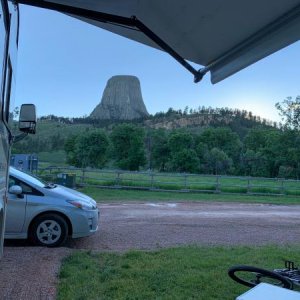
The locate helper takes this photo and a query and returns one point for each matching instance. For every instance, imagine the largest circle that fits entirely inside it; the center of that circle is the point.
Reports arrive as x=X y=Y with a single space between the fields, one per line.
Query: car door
x=16 y=208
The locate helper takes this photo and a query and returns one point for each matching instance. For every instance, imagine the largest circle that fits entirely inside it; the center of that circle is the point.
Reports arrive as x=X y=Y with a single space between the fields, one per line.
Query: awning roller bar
x=257 y=37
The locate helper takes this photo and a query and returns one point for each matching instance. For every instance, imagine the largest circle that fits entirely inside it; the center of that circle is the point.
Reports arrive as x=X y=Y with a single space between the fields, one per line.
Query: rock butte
x=121 y=100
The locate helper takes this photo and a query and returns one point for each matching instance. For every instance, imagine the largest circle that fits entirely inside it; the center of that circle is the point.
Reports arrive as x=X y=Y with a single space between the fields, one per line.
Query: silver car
x=47 y=213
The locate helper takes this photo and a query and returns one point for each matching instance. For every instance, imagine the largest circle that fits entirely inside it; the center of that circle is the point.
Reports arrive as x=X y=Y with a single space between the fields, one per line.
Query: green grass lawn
x=57 y=158
x=176 y=273
x=111 y=195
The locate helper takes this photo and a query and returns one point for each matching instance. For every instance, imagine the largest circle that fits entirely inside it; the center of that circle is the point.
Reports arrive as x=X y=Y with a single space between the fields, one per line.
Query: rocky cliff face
x=191 y=121
x=121 y=100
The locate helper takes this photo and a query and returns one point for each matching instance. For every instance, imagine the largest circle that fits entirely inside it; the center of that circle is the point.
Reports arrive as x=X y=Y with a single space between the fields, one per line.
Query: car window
x=27 y=189
x=11 y=182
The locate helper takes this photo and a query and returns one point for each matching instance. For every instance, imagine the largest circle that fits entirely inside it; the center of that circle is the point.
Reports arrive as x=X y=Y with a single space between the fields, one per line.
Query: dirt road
x=28 y=272
x=154 y=225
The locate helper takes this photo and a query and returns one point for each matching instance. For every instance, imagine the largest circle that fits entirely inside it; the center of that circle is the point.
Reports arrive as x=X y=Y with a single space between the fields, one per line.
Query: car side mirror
x=27 y=120
x=15 y=189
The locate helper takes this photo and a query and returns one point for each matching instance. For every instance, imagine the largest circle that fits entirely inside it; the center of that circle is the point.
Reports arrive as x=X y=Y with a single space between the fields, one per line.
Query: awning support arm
x=133 y=23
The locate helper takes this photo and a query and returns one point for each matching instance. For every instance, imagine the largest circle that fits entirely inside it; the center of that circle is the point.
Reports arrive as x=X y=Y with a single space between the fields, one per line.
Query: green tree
x=180 y=140
x=289 y=110
x=70 y=146
x=256 y=139
x=289 y=155
x=91 y=149
x=222 y=138
x=218 y=161
x=254 y=164
x=183 y=157
x=87 y=149
x=201 y=150
x=185 y=160
x=128 y=146
x=267 y=144
x=160 y=150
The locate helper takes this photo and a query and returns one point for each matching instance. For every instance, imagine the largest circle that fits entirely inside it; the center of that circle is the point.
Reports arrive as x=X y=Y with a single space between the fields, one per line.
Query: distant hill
x=52 y=131
x=50 y=136
x=240 y=121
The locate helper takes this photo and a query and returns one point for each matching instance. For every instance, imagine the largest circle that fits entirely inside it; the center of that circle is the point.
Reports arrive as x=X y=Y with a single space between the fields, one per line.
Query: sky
x=64 y=64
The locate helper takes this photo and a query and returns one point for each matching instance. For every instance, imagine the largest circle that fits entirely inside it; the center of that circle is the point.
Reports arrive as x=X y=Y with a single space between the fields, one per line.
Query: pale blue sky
x=64 y=64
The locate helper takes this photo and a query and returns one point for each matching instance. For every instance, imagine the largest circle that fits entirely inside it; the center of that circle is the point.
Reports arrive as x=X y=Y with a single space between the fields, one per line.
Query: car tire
x=50 y=230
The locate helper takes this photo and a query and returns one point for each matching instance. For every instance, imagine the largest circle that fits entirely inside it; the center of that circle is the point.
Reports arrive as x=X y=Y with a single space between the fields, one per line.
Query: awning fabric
x=224 y=36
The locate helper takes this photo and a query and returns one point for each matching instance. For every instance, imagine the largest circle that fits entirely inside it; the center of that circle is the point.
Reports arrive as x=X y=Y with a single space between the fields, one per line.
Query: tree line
x=238 y=115
x=262 y=152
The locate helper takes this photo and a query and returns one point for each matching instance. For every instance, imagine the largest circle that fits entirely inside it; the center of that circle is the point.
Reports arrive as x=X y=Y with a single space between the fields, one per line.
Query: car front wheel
x=50 y=230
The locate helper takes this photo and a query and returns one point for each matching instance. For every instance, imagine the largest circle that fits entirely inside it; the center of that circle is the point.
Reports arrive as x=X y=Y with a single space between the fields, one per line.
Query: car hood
x=69 y=194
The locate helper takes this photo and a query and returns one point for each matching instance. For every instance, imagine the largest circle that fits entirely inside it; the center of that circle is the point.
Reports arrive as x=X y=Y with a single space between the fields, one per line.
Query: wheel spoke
x=52 y=225
x=44 y=227
x=56 y=231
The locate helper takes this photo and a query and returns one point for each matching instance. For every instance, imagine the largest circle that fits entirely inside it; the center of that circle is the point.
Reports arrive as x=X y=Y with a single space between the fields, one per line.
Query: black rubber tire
x=33 y=234
x=265 y=273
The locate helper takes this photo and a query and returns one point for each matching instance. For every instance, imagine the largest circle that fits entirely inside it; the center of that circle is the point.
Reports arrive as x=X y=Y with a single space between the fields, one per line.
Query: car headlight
x=81 y=204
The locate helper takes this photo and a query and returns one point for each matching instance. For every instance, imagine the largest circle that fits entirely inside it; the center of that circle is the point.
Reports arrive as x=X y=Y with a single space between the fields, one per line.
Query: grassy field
x=112 y=195
x=179 y=182
x=177 y=273
x=56 y=158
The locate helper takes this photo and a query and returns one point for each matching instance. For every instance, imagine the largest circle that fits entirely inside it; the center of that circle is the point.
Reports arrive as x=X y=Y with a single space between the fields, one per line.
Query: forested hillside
x=211 y=141
x=52 y=131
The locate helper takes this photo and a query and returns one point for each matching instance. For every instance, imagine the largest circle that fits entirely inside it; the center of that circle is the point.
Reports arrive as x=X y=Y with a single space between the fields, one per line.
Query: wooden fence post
x=117 y=183
x=152 y=182
x=82 y=176
x=217 y=184
x=185 y=181
x=282 y=187
x=248 y=186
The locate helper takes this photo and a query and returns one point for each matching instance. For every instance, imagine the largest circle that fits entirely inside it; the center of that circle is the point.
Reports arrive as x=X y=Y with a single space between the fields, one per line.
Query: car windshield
x=32 y=179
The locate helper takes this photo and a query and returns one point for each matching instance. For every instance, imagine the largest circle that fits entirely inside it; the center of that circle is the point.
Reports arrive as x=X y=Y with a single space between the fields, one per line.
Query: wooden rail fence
x=181 y=182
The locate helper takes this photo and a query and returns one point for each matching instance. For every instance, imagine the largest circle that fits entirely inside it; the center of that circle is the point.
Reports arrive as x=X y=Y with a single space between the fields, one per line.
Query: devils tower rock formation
x=121 y=100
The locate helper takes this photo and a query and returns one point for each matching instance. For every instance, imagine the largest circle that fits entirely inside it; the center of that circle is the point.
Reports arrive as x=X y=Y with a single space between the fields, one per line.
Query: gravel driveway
x=31 y=272
x=154 y=225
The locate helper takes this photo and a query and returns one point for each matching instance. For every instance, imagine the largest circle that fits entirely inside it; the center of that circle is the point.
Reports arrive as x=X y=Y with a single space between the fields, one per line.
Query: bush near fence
x=181 y=182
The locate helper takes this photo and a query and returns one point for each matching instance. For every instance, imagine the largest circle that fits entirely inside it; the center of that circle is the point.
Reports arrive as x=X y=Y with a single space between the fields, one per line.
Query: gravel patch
x=30 y=273
x=127 y=226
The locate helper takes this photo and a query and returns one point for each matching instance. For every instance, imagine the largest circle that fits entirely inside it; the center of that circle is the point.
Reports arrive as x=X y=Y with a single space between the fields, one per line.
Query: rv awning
x=222 y=36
